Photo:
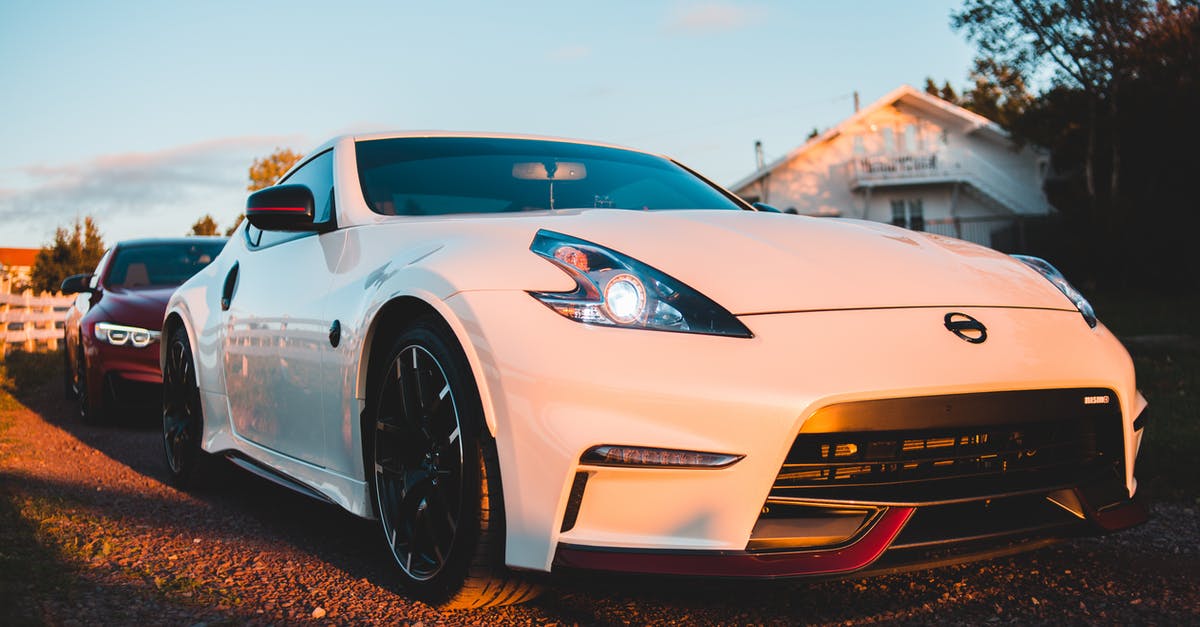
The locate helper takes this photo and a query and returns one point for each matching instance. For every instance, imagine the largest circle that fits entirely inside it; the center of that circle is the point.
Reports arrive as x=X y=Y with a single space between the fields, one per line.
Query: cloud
x=712 y=17
x=138 y=193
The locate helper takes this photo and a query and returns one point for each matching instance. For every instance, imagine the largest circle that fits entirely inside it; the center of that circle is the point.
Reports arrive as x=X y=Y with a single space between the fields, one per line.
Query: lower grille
x=944 y=463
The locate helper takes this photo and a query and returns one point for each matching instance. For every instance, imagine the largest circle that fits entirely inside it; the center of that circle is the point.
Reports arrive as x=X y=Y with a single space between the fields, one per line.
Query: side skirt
x=277 y=478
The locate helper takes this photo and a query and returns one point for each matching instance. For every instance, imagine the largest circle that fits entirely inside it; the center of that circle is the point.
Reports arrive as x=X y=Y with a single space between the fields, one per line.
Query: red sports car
x=112 y=330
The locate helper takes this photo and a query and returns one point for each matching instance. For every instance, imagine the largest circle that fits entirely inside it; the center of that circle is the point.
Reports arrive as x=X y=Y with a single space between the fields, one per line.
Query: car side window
x=100 y=267
x=317 y=175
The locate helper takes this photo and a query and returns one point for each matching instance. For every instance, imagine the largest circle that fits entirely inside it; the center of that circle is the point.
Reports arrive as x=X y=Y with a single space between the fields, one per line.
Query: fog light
x=611 y=455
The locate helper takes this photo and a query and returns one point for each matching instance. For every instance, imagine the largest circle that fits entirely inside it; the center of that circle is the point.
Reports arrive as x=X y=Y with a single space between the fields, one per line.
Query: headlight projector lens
x=625 y=298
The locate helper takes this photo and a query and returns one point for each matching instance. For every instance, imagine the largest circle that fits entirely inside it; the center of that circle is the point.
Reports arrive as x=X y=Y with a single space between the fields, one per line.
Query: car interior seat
x=136 y=275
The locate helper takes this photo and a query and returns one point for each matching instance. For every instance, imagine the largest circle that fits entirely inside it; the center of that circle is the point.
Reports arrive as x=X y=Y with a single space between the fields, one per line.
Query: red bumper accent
x=741 y=564
x=1118 y=516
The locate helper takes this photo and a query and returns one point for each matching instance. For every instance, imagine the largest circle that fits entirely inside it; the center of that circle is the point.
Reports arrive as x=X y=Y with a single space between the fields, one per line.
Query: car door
x=275 y=330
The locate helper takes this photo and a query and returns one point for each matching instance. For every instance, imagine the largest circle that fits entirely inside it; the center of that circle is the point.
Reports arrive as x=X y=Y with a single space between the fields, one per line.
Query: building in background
x=27 y=322
x=916 y=161
x=16 y=268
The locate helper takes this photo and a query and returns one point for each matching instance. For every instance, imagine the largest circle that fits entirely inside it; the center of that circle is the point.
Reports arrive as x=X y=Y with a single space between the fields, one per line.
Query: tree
x=945 y=92
x=1084 y=43
x=74 y=251
x=1120 y=85
x=204 y=226
x=265 y=171
x=998 y=93
x=229 y=231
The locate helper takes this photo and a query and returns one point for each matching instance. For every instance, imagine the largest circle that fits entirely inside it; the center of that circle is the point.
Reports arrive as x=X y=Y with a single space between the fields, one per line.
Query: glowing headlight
x=613 y=289
x=1046 y=269
x=625 y=299
x=120 y=335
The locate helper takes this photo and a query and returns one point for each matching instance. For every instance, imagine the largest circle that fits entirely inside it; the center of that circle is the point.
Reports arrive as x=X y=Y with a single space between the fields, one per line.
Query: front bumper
x=552 y=388
x=895 y=542
x=126 y=374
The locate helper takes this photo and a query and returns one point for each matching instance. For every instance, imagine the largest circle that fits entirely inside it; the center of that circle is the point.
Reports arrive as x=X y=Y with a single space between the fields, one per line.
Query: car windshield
x=448 y=175
x=160 y=264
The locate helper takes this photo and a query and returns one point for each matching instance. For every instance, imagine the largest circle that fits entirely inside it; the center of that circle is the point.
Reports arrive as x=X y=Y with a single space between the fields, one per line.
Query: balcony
x=992 y=184
x=901 y=170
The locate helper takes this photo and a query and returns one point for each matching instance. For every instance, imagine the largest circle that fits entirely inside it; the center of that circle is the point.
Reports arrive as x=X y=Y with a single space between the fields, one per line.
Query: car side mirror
x=283 y=208
x=76 y=283
x=762 y=206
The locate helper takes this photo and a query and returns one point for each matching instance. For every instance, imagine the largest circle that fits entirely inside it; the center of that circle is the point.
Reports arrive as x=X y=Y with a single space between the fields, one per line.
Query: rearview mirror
x=282 y=208
x=557 y=171
x=76 y=283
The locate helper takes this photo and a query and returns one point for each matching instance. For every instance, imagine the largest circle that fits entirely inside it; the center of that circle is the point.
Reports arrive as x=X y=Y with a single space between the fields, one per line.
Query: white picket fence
x=32 y=323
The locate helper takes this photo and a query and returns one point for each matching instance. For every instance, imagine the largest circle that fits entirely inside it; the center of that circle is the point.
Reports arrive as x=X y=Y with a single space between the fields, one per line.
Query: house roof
x=18 y=257
x=907 y=94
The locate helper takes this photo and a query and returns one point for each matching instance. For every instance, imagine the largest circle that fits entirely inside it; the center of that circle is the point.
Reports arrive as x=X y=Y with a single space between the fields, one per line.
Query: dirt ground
x=90 y=533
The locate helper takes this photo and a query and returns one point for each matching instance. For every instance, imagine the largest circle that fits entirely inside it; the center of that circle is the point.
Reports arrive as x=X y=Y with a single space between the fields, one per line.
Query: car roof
x=357 y=137
x=149 y=241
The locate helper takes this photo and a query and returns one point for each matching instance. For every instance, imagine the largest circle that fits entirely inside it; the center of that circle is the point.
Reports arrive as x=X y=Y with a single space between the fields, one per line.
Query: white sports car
x=524 y=354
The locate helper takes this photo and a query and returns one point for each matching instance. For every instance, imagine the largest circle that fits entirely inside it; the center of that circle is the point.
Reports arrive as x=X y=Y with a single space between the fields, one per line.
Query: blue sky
x=147 y=115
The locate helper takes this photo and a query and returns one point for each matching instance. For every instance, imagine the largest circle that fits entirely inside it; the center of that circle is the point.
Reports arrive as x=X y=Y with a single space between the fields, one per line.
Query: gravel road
x=91 y=534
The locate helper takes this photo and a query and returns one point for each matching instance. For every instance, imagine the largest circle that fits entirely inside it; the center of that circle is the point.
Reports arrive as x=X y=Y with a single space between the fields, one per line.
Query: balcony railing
x=963 y=167
x=885 y=167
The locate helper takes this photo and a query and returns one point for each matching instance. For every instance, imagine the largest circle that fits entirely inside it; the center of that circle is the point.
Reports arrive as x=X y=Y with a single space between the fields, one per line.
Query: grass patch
x=1133 y=313
x=78 y=540
x=29 y=570
x=22 y=372
x=1168 y=375
x=1167 y=464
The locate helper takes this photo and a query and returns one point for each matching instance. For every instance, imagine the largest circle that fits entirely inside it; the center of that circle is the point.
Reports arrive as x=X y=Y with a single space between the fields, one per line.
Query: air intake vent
x=946 y=463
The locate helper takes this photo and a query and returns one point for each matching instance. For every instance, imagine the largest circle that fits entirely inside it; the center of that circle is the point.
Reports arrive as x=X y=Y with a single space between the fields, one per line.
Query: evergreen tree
x=74 y=251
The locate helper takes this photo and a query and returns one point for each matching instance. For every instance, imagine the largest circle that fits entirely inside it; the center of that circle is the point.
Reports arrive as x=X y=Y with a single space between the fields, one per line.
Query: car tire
x=69 y=391
x=93 y=405
x=183 y=415
x=436 y=476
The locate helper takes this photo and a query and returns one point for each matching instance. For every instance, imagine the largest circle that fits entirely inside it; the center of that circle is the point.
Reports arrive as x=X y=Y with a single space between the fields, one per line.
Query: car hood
x=139 y=307
x=757 y=262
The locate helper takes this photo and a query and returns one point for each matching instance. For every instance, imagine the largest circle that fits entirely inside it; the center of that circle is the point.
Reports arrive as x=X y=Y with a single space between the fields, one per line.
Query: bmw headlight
x=1054 y=276
x=613 y=289
x=121 y=335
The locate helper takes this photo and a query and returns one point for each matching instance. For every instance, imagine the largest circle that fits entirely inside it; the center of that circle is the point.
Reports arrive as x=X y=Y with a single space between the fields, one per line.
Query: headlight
x=1054 y=276
x=120 y=335
x=613 y=289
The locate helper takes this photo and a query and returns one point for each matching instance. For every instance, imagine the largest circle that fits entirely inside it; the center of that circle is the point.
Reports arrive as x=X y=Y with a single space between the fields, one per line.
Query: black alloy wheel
x=183 y=419
x=436 y=475
x=419 y=462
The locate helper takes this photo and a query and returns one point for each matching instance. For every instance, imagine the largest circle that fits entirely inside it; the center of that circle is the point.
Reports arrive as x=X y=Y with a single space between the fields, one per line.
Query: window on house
x=909 y=214
x=899 y=215
x=889 y=140
x=910 y=138
x=916 y=215
x=859 y=147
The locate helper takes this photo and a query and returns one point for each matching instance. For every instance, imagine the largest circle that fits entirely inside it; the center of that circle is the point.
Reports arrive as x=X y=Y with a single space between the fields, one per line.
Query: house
x=28 y=322
x=16 y=268
x=917 y=161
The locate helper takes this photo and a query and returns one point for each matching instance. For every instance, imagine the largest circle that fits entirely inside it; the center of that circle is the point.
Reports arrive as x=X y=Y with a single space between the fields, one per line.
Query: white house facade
x=917 y=161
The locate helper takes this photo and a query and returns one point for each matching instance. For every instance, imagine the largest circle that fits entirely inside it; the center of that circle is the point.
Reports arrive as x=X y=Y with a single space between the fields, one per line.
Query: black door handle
x=230 y=286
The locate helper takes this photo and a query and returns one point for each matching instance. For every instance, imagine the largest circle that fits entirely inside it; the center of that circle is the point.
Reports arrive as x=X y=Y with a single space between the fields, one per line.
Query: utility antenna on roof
x=856 y=101
x=759 y=161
